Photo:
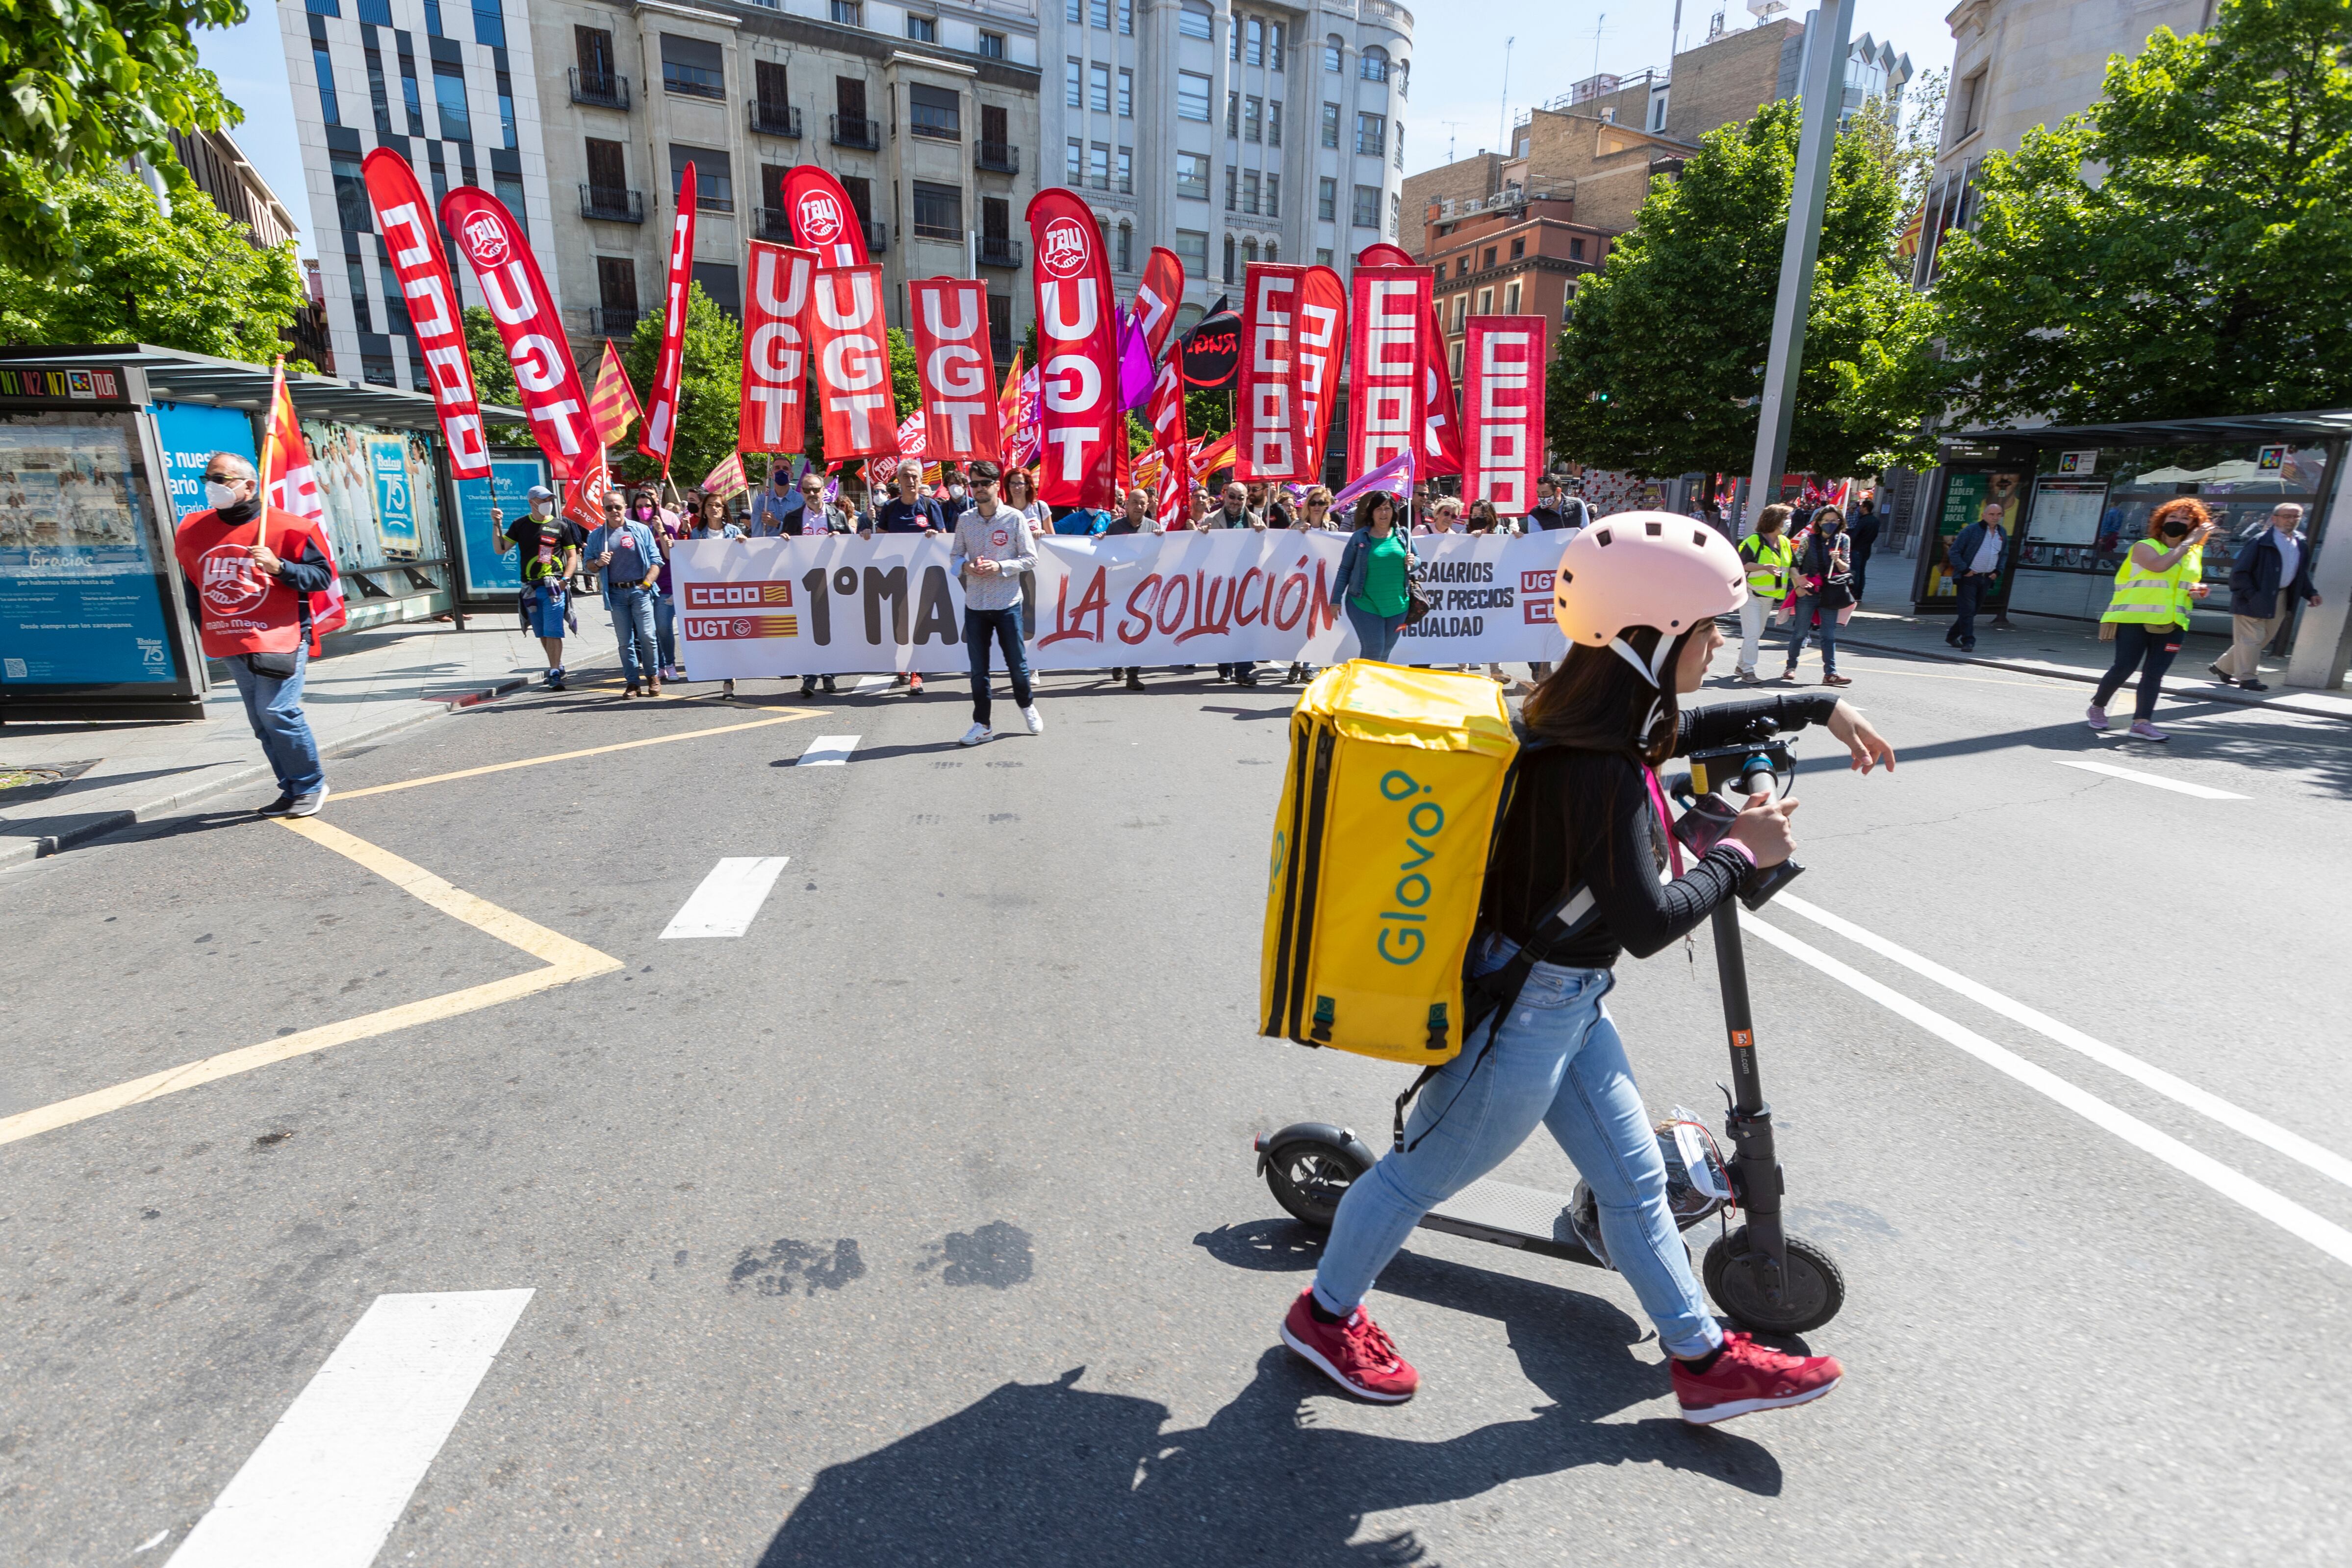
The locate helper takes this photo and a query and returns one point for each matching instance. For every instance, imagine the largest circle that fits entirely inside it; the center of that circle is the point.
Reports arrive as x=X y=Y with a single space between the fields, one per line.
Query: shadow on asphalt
x=1050 y=1473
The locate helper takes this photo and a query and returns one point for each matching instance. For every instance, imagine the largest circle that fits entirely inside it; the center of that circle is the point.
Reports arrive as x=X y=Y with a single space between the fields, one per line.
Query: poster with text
x=493 y=565
x=80 y=587
x=189 y=434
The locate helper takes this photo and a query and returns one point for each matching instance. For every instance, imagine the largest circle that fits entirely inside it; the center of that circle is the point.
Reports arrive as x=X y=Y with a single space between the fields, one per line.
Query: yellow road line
x=566 y=960
x=787 y=718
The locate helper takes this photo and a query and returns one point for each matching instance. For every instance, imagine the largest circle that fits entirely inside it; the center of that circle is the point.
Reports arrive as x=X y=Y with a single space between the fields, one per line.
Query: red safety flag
x=290 y=484
x=775 y=351
x=584 y=493
x=824 y=219
x=1503 y=396
x=659 y=437
x=1440 y=450
x=1077 y=352
x=853 y=363
x=547 y=383
x=1267 y=400
x=950 y=318
x=1322 y=345
x=1157 y=298
x=414 y=242
x=613 y=406
x=1387 y=394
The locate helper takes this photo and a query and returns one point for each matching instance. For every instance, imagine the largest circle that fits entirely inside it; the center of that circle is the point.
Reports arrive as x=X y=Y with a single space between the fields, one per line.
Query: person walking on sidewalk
x=1863 y=536
x=630 y=557
x=247 y=572
x=1769 y=556
x=1974 y=561
x=993 y=550
x=2271 y=573
x=2161 y=576
x=549 y=549
x=1374 y=569
x=1824 y=587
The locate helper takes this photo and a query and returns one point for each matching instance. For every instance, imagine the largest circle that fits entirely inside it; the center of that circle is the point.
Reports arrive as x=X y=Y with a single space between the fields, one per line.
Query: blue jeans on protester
x=1376 y=635
x=274 y=708
x=632 y=624
x=1557 y=1060
x=1805 y=608
x=665 y=628
x=1004 y=625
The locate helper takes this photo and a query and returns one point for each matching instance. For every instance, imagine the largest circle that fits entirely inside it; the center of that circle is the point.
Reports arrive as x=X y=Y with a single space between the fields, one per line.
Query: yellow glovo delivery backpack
x=1397 y=779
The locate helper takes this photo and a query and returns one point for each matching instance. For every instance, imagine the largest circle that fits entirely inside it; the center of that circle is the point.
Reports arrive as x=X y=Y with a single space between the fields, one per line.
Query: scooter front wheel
x=1309 y=1176
x=1812 y=1288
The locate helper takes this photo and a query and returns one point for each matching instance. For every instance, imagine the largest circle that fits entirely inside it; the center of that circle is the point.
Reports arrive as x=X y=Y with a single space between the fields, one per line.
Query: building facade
x=582 y=117
x=1229 y=132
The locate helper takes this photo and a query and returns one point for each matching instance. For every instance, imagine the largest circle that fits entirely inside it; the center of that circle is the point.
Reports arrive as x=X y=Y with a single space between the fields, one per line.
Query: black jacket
x=1864 y=532
x=2256 y=571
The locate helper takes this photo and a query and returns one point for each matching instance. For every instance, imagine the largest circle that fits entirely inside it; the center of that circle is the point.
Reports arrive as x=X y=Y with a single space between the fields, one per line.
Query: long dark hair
x=1371 y=501
x=1593 y=700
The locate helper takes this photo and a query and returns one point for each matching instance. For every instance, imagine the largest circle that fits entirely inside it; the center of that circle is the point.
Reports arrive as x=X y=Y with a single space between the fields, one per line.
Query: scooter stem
x=1755 y=1168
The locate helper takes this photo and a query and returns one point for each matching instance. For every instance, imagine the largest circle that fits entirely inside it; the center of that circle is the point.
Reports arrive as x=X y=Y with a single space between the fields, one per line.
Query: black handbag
x=1417 y=602
x=1836 y=592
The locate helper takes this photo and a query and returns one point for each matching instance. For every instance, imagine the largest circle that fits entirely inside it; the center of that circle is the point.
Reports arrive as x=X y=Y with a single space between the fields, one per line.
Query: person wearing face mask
x=666 y=530
x=1824 y=577
x=550 y=548
x=776 y=510
x=247 y=572
x=2161 y=576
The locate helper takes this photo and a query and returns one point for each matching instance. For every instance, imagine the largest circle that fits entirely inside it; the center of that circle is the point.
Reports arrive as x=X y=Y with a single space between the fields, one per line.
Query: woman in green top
x=1373 y=570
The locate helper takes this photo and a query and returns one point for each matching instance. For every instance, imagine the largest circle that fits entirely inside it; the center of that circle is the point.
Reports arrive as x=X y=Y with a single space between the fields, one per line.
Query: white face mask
x=217 y=495
x=542 y=508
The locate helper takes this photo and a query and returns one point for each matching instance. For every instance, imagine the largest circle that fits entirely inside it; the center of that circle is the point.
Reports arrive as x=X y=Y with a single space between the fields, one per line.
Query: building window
x=1192 y=175
x=1576 y=250
x=1249 y=252
x=1486 y=302
x=1099 y=89
x=1232 y=114
x=1323 y=256
x=489 y=22
x=1658 y=111
x=1461 y=310
x=1400 y=144
x=692 y=66
x=923 y=29
x=506 y=112
x=326 y=74
x=353 y=211
x=1334 y=49
x=1098 y=14
x=1518 y=248
x=1127 y=95
x=1487 y=260
x=508 y=188
x=1254 y=119
x=1233 y=189
x=1456 y=352
x=1124 y=183
x=1330 y=137
x=1373 y=64
x=1273 y=197
x=1396 y=214
x=714 y=178
x=1192 y=248
x=1125 y=255
x=1230 y=252
x=1073 y=91
x=1074 y=162
x=991 y=46
x=1099 y=166
x=1510 y=299
x=1249 y=191
x=1372 y=134
x=1193 y=22
x=1970 y=118
x=935 y=112
x=1274 y=34
x=848 y=13
x=1461 y=266
x=1274 y=123
x=1366 y=212
x=939 y=212
x=449 y=98
x=1127 y=16
x=412 y=98
x=1191 y=95
x=1402 y=73
x=1327 y=199
x=1254 y=42
x=1074 y=13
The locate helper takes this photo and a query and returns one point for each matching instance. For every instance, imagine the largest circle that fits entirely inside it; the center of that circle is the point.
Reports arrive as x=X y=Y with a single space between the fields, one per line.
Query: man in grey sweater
x=992 y=549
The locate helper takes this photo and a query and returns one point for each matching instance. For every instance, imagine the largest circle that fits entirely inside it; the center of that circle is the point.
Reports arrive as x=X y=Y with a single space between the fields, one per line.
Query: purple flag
x=1135 y=372
x=1395 y=476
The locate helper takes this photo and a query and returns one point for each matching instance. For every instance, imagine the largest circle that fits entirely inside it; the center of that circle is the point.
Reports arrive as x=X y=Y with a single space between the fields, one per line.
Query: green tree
x=709 y=389
x=2208 y=271
x=494 y=380
x=1661 y=367
x=90 y=85
x=190 y=279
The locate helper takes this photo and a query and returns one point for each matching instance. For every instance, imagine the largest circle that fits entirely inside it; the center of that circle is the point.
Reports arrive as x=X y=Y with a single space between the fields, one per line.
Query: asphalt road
x=918 y=1225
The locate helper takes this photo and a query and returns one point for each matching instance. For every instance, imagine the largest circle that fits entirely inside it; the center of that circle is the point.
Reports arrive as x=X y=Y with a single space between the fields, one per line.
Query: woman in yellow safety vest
x=2161 y=576
x=1769 y=554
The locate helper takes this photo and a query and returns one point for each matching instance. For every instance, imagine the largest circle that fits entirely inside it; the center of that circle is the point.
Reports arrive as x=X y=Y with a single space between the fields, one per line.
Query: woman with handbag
x=1375 y=576
x=1824 y=588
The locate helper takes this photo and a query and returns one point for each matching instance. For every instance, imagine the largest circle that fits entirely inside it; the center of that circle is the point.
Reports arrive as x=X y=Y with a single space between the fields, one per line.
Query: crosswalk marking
x=729 y=899
x=2202 y=792
x=328 y=1482
x=828 y=751
x=871 y=683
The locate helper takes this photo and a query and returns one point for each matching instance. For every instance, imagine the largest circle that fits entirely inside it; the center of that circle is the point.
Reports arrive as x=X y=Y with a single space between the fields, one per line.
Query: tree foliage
x=1661 y=364
x=2208 y=271
x=709 y=389
x=188 y=279
x=89 y=85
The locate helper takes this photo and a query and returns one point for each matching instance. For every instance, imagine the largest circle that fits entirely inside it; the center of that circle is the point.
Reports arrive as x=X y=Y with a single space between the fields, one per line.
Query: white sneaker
x=977 y=734
x=2096 y=717
x=1034 y=719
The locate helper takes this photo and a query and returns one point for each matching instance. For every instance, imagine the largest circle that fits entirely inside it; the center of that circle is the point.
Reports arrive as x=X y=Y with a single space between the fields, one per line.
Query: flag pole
x=269 y=453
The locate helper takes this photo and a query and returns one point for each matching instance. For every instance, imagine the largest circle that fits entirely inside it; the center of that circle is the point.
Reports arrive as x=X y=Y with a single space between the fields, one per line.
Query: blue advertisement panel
x=80 y=589
x=492 y=566
x=395 y=507
x=189 y=434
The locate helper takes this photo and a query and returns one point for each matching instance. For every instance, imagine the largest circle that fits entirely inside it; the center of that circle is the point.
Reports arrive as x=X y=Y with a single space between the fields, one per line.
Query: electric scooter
x=1761 y=1277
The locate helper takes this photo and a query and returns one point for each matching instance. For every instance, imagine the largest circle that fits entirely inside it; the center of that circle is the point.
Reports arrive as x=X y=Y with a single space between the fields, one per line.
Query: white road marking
x=729 y=899
x=871 y=683
x=2202 y=791
x=828 y=751
x=2238 y=1119
x=152 y=1543
x=329 y=1481
x=2279 y=1209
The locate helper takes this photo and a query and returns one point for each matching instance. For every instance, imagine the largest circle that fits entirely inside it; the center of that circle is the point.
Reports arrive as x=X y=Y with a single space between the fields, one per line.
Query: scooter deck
x=1509 y=1216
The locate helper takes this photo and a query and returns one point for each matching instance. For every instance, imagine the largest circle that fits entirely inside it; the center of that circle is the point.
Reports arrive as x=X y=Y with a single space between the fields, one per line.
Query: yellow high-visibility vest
x=2155 y=598
x=1768 y=564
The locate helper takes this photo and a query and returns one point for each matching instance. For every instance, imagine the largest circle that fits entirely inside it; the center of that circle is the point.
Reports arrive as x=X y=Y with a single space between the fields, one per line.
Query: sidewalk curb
x=26 y=850
x=2220 y=694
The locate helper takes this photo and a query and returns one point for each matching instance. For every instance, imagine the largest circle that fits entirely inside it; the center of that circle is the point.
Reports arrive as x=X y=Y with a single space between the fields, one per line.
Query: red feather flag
x=853 y=363
x=1077 y=352
x=949 y=320
x=775 y=351
x=660 y=434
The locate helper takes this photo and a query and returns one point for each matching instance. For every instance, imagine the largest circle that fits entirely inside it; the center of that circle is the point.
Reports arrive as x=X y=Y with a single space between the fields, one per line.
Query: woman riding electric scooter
x=1638 y=604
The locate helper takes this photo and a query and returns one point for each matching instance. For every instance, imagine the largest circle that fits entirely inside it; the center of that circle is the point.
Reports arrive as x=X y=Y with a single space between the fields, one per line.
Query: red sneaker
x=1747 y=1377
x=1359 y=1356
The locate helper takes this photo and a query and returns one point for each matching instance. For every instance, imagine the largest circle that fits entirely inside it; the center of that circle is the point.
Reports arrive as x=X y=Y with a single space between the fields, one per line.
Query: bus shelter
x=102 y=452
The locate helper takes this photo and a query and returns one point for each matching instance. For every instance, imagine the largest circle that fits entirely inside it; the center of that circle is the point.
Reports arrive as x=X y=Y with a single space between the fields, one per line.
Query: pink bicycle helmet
x=1645 y=569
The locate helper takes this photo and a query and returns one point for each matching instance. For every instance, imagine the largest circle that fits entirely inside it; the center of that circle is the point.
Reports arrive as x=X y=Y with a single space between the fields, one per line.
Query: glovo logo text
x=1402 y=940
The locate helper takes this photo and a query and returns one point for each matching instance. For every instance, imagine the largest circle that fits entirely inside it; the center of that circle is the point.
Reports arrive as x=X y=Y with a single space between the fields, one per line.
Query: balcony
x=611 y=204
x=775 y=120
x=998 y=158
x=851 y=131
x=878 y=237
x=599 y=92
x=693 y=81
x=999 y=250
x=774 y=223
x=605 y=321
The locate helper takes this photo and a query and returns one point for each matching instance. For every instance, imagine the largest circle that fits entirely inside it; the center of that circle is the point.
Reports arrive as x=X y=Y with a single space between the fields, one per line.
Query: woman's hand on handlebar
x=1763 y=826
x=1869 y=748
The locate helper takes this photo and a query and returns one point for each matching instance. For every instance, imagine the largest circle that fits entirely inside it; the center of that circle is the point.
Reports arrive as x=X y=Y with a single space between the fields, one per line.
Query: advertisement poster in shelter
x=189 y=434
x=379 y=488
x=80 y=581
x=493 y=565
x=1967 y=493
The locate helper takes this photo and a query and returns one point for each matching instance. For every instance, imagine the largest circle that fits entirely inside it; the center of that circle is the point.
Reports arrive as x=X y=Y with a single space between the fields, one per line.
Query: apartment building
x=926 y=113
x=1230 y=133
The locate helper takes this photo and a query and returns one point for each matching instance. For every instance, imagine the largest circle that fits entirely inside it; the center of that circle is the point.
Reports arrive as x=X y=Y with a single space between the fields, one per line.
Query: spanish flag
x=613 y=406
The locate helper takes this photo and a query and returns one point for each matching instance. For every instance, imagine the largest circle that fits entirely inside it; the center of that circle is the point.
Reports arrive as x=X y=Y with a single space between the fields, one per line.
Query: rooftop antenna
x=1451 y=127
x=1597 y=22
x=1503 y=118
x=1675 y=43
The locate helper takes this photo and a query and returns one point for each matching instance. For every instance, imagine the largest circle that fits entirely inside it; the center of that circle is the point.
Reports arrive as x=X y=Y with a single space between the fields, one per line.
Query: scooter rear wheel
x=1308 y=1177
x=1812 y=1288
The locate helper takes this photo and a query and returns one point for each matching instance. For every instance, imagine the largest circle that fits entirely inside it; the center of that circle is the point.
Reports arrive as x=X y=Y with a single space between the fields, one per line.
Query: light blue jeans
x=274 y=708
x=632 y=625
x=1376 y=635
x=665 y=628
x=1558 y=1061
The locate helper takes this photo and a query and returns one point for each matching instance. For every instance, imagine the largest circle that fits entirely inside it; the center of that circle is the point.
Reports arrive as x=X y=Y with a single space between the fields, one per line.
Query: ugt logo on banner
x=1077 y=351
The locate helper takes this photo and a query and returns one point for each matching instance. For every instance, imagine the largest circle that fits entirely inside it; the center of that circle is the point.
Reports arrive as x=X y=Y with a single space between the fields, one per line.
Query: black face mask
x=2175 y=531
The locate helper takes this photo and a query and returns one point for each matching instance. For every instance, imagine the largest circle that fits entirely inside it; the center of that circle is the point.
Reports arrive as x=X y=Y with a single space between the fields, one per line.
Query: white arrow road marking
x=2202 y=791
x=329 y=1481
x=729 y=899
